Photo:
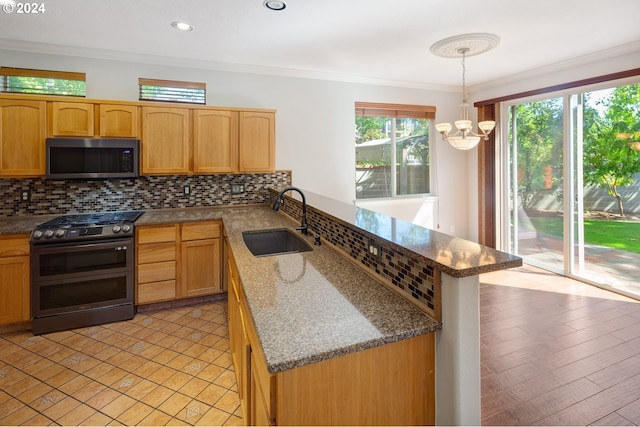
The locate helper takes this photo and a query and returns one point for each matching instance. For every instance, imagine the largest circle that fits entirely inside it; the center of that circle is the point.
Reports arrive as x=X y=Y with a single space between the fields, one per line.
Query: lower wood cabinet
x=200 y=259
x=178 y=261
x=15 y=279
x=393 y=384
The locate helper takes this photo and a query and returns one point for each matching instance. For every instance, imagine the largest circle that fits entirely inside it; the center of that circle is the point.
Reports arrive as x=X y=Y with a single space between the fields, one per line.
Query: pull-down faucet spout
x=279 y=200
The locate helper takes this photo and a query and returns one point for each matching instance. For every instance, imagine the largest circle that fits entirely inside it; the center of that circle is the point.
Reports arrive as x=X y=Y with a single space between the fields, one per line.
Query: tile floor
x=170 y=367
x=555 y=351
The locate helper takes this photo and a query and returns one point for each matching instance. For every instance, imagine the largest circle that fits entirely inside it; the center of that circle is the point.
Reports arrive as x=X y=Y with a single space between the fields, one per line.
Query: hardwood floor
x=556 y=351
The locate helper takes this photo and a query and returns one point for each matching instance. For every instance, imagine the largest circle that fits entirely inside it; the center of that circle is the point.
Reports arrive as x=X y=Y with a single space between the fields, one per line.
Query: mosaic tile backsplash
x=53 y=197
x=406 y=273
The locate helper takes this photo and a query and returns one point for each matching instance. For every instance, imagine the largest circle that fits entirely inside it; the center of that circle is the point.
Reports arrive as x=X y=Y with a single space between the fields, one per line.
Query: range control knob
x=37 y=234
x=48 y=234
x=126 y=228
x=59 y=233
x=116 y=228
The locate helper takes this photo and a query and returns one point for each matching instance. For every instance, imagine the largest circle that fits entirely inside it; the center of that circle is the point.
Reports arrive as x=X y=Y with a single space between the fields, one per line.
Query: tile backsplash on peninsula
x=52 y=197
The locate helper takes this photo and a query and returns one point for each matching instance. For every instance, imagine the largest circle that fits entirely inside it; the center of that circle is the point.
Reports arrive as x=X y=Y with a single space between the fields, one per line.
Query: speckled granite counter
x=309 y=306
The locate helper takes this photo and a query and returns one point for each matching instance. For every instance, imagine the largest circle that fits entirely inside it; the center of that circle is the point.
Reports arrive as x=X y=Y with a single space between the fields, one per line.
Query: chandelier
x=464 y=138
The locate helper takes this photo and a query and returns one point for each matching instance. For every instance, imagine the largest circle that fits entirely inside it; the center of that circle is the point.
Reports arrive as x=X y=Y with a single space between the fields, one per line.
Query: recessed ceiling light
x=274 y=4
x=182 y=26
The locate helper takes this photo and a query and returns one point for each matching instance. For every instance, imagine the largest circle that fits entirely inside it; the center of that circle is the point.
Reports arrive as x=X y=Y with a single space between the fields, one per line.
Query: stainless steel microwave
x=92 y=158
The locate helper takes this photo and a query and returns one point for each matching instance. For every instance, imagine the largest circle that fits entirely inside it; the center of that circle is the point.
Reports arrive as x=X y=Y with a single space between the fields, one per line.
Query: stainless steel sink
x=274 y=242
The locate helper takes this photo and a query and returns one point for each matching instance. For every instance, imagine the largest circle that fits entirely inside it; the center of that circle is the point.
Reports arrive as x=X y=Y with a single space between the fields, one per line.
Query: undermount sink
x=274 y=242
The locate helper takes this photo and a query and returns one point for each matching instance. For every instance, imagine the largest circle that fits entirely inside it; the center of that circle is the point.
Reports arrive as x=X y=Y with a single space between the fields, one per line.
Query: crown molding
x=600 y=56
x=112 y=55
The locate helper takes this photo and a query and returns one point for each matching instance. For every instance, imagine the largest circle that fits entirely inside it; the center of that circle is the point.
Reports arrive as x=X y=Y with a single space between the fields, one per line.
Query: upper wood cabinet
x=174 y=140
x=118 y=120
x=215 y=148
x=71 y=119
x=257 y=137
x=165 y=141
x=22 y=138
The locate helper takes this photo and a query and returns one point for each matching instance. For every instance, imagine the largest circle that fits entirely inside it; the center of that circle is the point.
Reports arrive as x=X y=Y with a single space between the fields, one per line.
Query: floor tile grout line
x=78 y=333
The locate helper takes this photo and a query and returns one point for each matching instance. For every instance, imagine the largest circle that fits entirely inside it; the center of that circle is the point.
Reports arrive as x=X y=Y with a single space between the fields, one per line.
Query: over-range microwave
x=92 y=158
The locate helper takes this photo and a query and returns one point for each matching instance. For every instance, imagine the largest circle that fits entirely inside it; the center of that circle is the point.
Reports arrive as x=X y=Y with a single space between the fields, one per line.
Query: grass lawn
x=613 y=234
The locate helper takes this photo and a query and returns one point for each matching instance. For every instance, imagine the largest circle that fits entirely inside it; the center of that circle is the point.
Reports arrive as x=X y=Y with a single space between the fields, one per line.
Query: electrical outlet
x=237 y=188
x=187 y=190
x=26 y=196
x=375 y=250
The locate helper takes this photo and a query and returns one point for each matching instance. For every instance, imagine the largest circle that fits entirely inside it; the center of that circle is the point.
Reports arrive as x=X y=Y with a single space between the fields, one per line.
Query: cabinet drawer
x=14 y=246
x=156 y=272
x=165 y=233
x=156 y=291
x=200 y=230
x=156 y=252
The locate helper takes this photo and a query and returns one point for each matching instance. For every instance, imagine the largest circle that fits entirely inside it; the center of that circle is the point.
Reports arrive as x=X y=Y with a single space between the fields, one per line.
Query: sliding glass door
x=573 y=185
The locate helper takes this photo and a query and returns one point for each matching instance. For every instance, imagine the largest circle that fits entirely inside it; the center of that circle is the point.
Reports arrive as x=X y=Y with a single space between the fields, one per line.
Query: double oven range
x=83 y=271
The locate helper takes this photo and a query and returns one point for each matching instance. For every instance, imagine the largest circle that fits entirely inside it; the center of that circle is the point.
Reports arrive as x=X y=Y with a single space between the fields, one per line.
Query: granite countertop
x=309 y=306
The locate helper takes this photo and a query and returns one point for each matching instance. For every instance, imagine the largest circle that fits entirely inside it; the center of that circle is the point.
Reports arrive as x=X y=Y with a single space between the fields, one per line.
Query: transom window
x=172 y=91
x=392 y=149
x=42 y=82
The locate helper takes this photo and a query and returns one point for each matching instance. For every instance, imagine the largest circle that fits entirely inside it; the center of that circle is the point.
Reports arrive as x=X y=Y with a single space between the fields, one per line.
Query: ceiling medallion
x=474 y=43
x=464 y=138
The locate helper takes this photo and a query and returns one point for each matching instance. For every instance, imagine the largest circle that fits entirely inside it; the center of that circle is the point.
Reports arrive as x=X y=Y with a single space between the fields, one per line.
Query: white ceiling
x=377 y=41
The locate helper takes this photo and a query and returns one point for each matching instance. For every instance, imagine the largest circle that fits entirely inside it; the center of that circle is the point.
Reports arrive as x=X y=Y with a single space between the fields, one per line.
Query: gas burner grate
x=93 y=219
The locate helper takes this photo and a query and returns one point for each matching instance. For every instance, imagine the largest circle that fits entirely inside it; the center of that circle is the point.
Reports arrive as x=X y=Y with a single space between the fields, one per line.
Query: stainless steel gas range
x=83 y=270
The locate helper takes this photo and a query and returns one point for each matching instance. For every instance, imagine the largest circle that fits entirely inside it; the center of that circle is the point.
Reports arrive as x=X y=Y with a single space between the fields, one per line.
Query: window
x=392 y=149
x=43 y=82
x=172 y=91
x=571 y=193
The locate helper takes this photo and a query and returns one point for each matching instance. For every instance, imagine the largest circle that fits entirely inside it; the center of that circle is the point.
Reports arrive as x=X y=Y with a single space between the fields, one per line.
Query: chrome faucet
x=279 y=200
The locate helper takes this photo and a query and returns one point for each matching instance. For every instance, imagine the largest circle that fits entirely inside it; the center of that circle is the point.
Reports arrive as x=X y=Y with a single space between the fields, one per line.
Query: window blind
x=43 y=82
x=172 y=91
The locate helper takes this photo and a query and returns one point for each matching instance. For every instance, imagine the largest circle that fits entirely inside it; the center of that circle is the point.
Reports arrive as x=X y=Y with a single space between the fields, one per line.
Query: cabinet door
x=14 y=289
x=71 y=119
x=257 y=141
x=118 y=120
x=15 y=279
x=200 y=265
x=165 y=141
x=215 y=141
x=22 y=138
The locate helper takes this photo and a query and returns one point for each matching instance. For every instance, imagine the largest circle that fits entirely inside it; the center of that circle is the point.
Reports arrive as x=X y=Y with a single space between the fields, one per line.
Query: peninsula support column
x=458 y=353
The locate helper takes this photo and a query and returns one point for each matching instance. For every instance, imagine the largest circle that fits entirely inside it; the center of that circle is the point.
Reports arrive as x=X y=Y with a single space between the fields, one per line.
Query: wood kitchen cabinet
x=15 y=283
x=256 y=144
x=201 y=259
x=178 y=261
x=165 y=141
x=71 y=119
x=215 y=148
x=156 y=260
x=79 y=119
x=392 y=384
x=239 y=341
x=22 y=138
x=118 y=120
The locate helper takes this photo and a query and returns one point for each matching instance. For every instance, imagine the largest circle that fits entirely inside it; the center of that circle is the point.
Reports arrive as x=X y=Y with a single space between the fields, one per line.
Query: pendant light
x=462 y=46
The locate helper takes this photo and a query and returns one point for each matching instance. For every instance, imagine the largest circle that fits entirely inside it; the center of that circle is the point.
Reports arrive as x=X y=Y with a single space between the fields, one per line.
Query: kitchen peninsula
x=313 y=306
